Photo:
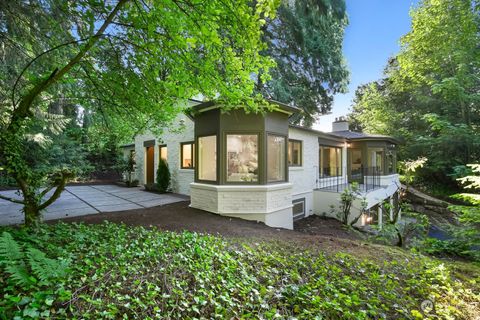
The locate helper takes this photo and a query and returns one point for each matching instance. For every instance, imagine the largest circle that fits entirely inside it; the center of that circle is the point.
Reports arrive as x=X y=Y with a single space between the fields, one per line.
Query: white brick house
x=258 y=167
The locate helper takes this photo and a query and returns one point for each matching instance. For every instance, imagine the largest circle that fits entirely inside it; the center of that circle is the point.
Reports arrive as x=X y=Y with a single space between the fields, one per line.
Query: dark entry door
x=150 y=164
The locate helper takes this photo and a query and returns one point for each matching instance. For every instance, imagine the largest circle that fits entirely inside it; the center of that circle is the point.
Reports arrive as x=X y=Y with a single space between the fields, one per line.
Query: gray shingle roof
x=360 y=135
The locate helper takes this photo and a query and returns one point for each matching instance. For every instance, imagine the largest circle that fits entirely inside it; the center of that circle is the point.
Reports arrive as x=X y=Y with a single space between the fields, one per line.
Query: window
x=242 y=158
x=207 y=158
x=390 y=161
x=163 y=152
x=356 y=165
x=275 y=158
x=187 y=151
x=298 y=208
x=330 y=161
x=375 y=159
x=294 y=153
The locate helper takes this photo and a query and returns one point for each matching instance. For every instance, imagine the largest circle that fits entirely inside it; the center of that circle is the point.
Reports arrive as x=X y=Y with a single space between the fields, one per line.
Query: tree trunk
x=12 y=137
x=32 y=215
x=400 y=238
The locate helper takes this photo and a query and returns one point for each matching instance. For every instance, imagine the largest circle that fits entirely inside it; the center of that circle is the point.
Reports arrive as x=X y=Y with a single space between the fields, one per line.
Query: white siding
x=181 y=130
x=270 y=204
x=304 y=178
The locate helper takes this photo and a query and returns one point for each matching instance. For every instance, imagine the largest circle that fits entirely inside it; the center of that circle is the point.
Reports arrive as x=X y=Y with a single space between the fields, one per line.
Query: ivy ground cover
x=113 y=271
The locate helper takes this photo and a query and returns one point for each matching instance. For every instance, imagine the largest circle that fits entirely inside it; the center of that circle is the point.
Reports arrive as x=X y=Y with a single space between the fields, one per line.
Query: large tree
x=305 y=39
x=431 y=91
x=129 y=61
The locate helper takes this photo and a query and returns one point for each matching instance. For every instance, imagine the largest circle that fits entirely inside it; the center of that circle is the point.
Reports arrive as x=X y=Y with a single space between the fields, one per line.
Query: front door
x=150 y=164
x=355 y=165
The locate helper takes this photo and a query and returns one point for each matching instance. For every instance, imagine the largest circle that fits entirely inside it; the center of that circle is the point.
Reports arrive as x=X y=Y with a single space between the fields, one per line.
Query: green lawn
x=115 y=271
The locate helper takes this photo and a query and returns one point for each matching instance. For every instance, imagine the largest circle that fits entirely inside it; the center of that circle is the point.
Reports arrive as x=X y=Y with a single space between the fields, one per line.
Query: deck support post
x=391 y=208
x=380 y=216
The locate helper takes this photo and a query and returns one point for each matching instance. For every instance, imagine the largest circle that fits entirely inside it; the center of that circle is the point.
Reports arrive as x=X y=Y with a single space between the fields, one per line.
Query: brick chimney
x=340 y=124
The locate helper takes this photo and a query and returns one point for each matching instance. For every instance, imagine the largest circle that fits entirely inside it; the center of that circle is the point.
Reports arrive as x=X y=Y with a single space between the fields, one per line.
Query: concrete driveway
x=85 y=200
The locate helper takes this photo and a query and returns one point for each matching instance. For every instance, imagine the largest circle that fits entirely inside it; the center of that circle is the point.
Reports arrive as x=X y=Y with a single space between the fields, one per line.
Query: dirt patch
x=327 y=227
x=179 y=217
x=326 y=235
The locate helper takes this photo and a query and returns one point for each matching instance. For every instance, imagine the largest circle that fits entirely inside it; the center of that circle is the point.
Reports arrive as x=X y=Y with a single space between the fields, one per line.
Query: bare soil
x=324 y=234
x=179 y=217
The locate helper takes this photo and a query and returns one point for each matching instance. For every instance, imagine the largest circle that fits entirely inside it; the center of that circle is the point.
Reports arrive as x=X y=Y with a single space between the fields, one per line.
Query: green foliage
x=429 y=95
x=133 y=272
x=102 y=58
x=105 y=155
x=464 y=237
x=163 y=176
x=347 y=198
x=406 y=229
x=408 y=168
x=29 y=280
x=472 y=181
x=28 y=266
x=305 y=40
x=127 y=167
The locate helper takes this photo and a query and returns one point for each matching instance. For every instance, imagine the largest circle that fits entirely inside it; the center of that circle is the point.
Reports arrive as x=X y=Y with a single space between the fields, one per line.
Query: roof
x=348 y=135
x=354 y=135
x=129 y=145
x=325 y=135
x=209 y=105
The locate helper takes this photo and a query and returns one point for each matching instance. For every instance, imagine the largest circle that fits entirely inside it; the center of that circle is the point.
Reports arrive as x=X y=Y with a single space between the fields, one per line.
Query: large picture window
x=330 y=161
x=275 y=158
x=294 y=153
x=242 y=158
x=207 y=158
x=187 y=152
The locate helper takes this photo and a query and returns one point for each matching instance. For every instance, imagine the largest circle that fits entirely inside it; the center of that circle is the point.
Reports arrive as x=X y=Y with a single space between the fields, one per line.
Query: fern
x=45 y=269
x=19 y=275
x=27 y=266
x=10 y=250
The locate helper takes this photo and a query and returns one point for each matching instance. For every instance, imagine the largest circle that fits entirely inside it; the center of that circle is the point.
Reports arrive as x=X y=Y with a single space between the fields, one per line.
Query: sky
x=372 y=36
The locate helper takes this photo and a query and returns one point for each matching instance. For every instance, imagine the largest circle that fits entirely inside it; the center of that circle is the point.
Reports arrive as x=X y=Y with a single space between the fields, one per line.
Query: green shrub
x=464 y=238
x=132 y=183
x=411 y=227
x=163 y=176
x=344 y=210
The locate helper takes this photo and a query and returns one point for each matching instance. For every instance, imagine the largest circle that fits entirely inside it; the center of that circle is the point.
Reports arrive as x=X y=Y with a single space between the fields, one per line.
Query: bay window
x=275 y=158
x=207 y=158
x=390 y=162
x=242 y=158
x=375 y=159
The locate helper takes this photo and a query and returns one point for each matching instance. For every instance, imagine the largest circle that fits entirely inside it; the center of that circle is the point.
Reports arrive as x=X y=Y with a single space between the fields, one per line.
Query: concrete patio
x=85 y=200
